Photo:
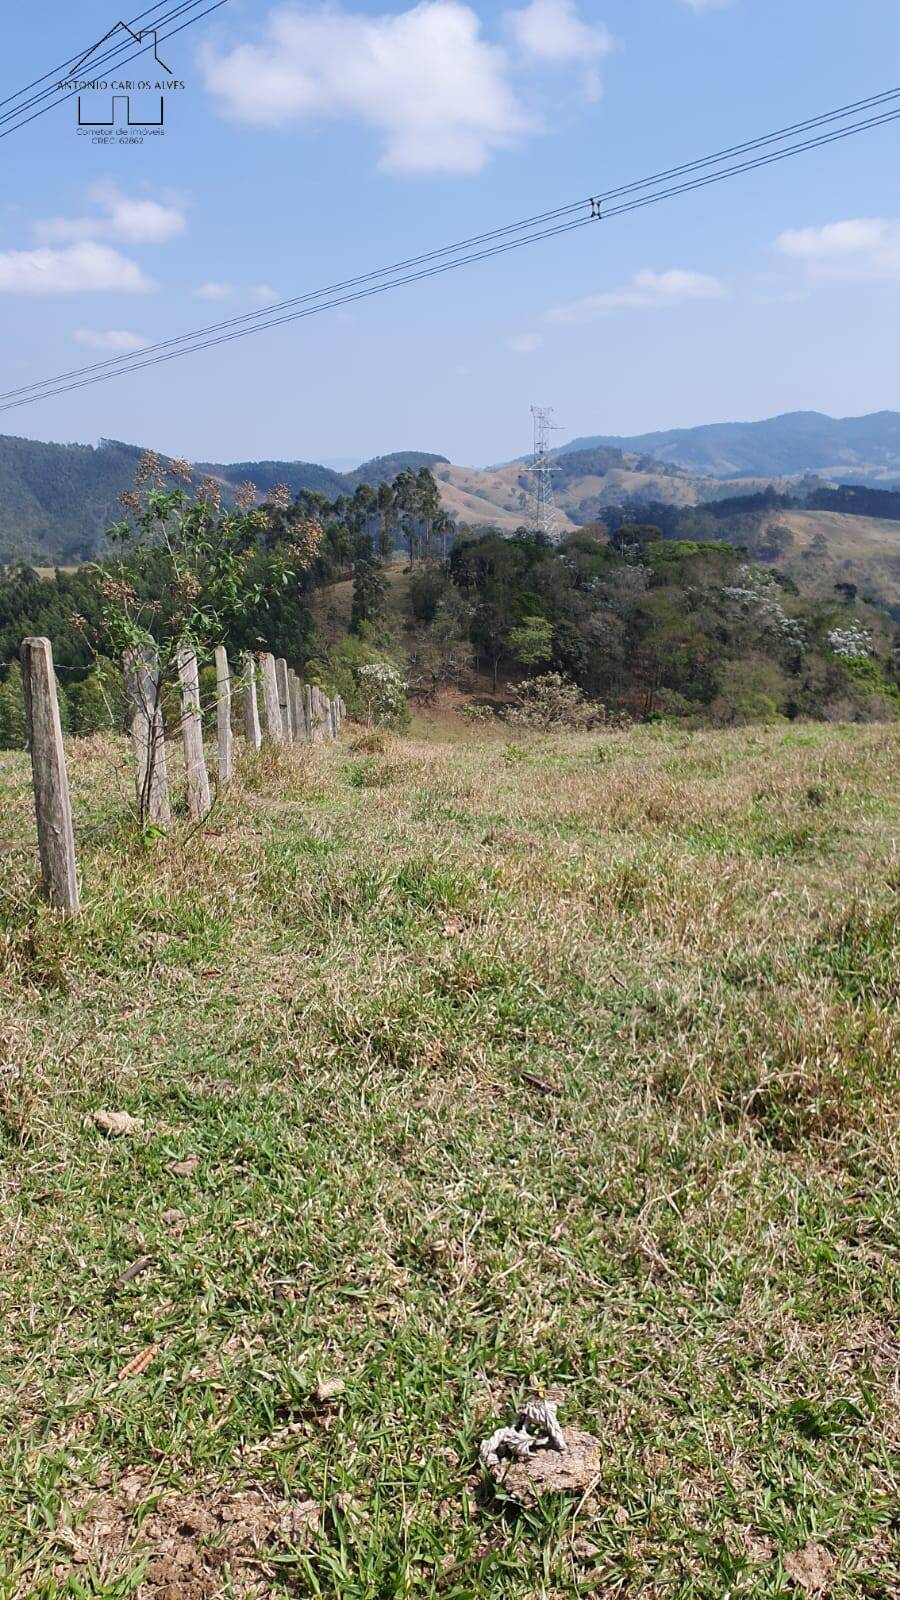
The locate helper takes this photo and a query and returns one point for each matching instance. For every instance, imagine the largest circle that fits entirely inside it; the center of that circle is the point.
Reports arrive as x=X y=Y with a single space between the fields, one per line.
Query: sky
x=314 y=141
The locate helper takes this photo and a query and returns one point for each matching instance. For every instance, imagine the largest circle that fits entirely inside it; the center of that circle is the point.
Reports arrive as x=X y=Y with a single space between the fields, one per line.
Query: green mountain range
x=56 y=500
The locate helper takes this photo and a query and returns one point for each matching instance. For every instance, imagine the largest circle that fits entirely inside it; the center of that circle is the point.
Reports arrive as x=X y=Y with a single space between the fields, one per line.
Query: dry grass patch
x=457 y=1071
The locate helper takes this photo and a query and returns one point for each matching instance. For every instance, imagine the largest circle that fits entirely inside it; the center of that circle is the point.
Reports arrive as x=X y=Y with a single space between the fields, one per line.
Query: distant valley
x=56 y=500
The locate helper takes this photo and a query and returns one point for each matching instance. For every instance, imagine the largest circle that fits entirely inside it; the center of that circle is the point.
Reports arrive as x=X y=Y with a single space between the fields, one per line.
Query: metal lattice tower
x=543 y=518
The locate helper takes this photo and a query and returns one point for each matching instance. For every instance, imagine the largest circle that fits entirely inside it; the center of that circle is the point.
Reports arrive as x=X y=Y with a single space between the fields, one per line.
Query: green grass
x=575 y=1067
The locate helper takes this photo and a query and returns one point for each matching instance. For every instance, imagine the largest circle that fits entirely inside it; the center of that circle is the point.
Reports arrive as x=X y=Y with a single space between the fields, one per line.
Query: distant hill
x=585 y=483
x=859 y=449
x=57 y=500
x=384 y=469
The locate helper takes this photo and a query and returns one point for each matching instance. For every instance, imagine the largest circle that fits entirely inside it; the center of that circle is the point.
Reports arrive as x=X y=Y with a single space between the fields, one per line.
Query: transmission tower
x=543 y=517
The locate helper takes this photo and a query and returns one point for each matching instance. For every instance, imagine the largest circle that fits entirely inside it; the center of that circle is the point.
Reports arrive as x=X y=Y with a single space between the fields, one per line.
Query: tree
x=428 y=505
x=387 y=520
x=189 y=571
x=406 y=499
x=369 y=586
x=532 y=642
x=13 y=734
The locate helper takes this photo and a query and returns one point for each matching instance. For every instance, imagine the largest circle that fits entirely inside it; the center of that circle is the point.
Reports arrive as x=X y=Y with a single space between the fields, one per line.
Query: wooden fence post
x=145 y=721
x=56 y=840
x=198 y=796
x=284 y=699
x=308 y=712
x=274 y=729
x=315 y=725
x=223 y=715
x=298 y=716
x=322 y=719
x=251 y=709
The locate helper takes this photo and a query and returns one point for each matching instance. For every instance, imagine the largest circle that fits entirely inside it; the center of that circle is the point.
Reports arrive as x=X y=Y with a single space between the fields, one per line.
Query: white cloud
x=707 y=5
x=120 y=218
x=524 y=343
x=551 y=30
x=256 y=294
x=861 y=249
x=115 y=339
x=431 y=86
x=76 y=269
x=646 y=289
x=215 y=291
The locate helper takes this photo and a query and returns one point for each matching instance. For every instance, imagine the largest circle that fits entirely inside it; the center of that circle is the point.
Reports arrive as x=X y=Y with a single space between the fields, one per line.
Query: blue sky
x=314 y=141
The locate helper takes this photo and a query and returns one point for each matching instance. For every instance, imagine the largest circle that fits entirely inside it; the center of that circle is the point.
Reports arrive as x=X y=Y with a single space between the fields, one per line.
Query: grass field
x=462 y=1070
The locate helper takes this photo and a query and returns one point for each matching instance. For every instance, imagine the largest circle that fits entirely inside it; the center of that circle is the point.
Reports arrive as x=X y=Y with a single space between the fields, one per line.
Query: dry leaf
x=134 y=1271
x=172 y=1219
x=185 y=1168
x=328 y=1389
x=140 y=1363
x=809 y=1567
x=540 y=1084
x=116 y=1123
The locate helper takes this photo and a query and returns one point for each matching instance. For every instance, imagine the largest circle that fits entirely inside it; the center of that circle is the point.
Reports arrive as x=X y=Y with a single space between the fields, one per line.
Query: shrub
x=381 y=696
x=12 y=710
x=551 y=702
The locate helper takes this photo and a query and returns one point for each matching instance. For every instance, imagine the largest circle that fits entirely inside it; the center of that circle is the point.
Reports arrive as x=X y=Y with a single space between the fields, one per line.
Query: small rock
x=117 y=1123
x=328 y=1389
x=185 y=1168
x=584 y=1549
x=809 y=1567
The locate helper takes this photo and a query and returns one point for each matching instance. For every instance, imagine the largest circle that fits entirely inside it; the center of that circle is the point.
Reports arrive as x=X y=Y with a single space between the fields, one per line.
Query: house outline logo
x=126 y=121
x=119 y=112
x=137 y=37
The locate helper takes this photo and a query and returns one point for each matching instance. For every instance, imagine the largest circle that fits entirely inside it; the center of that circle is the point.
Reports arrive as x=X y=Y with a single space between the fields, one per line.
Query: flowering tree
x=381 y=694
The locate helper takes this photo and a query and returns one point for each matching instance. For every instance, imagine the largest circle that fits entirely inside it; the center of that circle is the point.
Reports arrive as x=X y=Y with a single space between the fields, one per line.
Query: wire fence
x=293 y=712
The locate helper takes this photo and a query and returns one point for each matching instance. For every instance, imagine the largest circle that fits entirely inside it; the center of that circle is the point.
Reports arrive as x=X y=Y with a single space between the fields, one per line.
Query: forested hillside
x=57 y=500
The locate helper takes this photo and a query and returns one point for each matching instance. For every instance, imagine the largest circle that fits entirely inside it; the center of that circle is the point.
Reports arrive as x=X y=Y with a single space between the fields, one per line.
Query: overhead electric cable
x=252 y=322
x=494 y=233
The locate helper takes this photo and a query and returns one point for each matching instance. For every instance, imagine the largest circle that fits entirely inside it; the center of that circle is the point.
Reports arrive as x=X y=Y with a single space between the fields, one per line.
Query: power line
x=178 y=11
x=252 y=322
x=264 y=312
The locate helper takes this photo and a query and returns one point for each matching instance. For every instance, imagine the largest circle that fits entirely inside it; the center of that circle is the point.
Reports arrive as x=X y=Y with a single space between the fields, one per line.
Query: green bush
x=12 y=710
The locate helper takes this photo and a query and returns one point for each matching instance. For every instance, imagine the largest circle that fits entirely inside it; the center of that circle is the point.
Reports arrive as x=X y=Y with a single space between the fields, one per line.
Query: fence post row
x=198 y=795
x=271 y=707
x=145 y=721
x=251 y=709
x=223 y=715
x=56 y=839
x=295 y=712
